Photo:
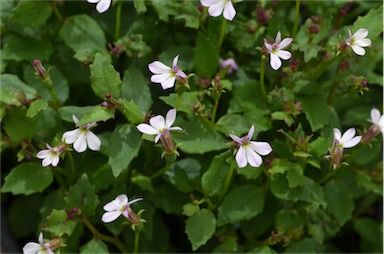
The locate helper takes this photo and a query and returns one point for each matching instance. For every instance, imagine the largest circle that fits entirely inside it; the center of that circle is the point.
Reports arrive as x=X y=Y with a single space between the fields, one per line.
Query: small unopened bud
x=336 y=154
x=370 y=133
x=261 y=15
x=181 y=80
x=116 y=50
x=132 y=217
x=314 y=28
x=53 y=244
x=344 y=65
x=167 y=141
x=40 y=70
x=293 y=64
x=200 y=7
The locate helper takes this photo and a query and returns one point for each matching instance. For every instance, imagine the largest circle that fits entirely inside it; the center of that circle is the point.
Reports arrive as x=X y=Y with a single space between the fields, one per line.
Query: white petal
x=236 y=139
x=358 y=50
x=284 y=54
x=252 y=157
x=157 y=67
x=123 y=199
x=168 y=83
x=381 y=123
x=43 y=154
x=181 y=74
x=157 y=122
x=176 y=128
x=103 y=6
x=363 y=42
x=352 y=142
x=278 y=37
x=80 y=144
x=337 y=134
x=216 y=9
x=250 y=132
x=70 y=136
x=275 y=61
x=208 y=3
x=114 y=205
x=147 y=129
x=158 y=136
x=268 y=46
x=241 y=158
x=160 y=78
x=93 y=1
x=375 y=116
x=284 y=43
x=55 y=161
x=135 y=200
x=174 y=62
x=348 y=135
x=229 y=11
x=93 y=141
x=262 y=148
x=361 y=33
x=41 y=238
x=31 y=248
x=110 y=216
x=47 y=161
x=170 y=118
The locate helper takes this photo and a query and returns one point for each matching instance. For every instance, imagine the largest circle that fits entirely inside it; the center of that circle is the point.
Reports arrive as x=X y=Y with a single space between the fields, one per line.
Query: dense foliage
x=180 y=126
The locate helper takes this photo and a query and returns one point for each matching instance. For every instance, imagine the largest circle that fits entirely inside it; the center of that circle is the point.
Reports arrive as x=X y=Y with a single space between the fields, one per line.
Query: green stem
x=136 y=242
x=228 y=179
x=222 y=34
x=72 y=163
x=262 y=75
x=159 y=173
x=213 y=117
x=326 y=176
x=296 y=23
x=178 y=101
x=56 y=10
x=118 y=20
x=53 y=92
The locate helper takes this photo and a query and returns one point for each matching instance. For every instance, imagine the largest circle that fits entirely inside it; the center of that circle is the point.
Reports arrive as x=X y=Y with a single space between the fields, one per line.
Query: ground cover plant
x=191 y=126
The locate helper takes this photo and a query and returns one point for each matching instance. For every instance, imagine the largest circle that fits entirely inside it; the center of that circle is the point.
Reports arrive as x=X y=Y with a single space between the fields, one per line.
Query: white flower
x=217 y=7
x=165 y=75
x=118 y=206
x=82 y=137
x=50 y=156
x=228 y=62
x=357 y=41
x=158 y=125
x=102 y=5
x=347 y=140
x=37 y=248
x=275 y=50
x=249 y=150
x=377 y=121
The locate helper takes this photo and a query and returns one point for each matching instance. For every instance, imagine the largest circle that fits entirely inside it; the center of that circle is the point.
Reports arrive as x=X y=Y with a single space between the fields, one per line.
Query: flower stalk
x=118 y=20
x=262 y=76
x=296 y=23
x=228 y=179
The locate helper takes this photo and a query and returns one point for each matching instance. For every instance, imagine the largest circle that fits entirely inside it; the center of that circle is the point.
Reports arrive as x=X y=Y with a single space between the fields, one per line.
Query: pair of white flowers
x=81 y=138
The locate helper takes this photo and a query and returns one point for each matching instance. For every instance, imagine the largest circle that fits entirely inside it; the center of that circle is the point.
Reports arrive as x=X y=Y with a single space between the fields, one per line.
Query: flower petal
x=176 y=128
x=157 y=122
x=181 y=74
x=275 y=61
x=71 y=136
x=250 y=132
x=361 y=33
x=208 y=3
x=348 y=135
x=123 y=199
x=160 y=78
x=103 y=6
x=284 y=43
x=278 y=37
x=47 y=161
x=134 y=201
x=168 y=83
x=375 y=115
x=268 y=46
x=114 y=205
x=174 y=62
x=170 y=118
x=284 y=54
x=229 y=11
x=158 y=136
x=110 y=216
x=363 y=42
x=352 y=142
x=358 y=50
x=337 y=134
x=147 y=129
x=80 y=144
x=236 y=139
x=93 y=141
x=252 y=157
x=216 y=9
x=241 y=158
x=158 y=67
x=93 y=1
x=55 y=161
x=262 y=148
x=41 y=238
x=74 y=118
x=31 y=248
x=43 y=154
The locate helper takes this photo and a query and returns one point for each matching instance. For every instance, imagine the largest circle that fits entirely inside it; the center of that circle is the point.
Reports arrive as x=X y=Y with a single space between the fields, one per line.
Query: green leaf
x=104 y=78
x=36 y=107
x=242 y=203
x=96 y=114
x=66 y=112
x=139 y=6
x=365 y=181
x=144 y=182
x=188 y=101
x=58 y=224
x=124 y=146
x=369 y=21
x=213 y=179
x=200 y=227
x=133 y=45
x=243 y=100
x=320 y=146
x=306 y=245
x=200 y=137
x=190 y=209
x=13 y=83
x=190 y=14
x=371 y=235
x=27 y=178
x=279 y=115
x=82 y=195
x=206 y=58
x=31 y=13
x=249 y=172
x=20 y=48
x=339 y=201
x=84 y=36
x=94 y=246
x=165 y=9
x=131 y=111
x=14 y=125
x=12 y=97
x=233 y=123
x=135 y=87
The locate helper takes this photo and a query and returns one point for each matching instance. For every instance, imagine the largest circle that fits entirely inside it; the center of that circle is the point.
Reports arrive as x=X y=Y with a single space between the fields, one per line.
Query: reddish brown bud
x=40 y=70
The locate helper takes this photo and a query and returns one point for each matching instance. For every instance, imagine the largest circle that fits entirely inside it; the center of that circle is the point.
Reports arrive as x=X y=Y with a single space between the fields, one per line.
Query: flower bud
x=370 y=133
x=53 y=244
x=40 y=71
x=336 y=155
x=132 y=217
x=314 y=28
x=261 y=15
x=167 y=140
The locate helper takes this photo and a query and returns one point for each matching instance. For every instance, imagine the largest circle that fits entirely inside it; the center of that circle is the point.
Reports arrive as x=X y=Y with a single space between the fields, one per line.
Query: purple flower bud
x=40 y=70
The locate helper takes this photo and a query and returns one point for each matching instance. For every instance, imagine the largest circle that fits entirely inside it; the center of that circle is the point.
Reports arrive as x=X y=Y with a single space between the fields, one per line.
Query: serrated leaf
x=213 y=179
x=14 y=125
x=233 y=123
x=339 y=201
x=36 y=107
x=206 y=58
x=66 y=112
x=31 y=13
x=190 y=209
x=94 y=246
x=131 y=111
x=96 y=114
x=200 y=227
x=242 y=203
x=82 y=196
x=124 y=145
x=317 y=111
x=188 y=101
x=140 y=6
x=369 y=21
x=14 y=83
x=58 y=224
x=104 y=78
x=27 y=178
